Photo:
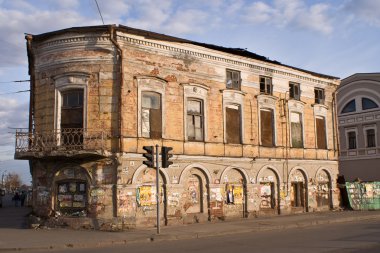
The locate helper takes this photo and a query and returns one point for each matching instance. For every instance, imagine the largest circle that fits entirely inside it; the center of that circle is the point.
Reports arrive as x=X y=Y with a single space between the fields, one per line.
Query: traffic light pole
x=158 y=191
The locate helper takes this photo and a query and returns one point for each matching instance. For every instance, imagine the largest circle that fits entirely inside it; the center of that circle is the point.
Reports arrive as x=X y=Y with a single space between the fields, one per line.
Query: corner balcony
x=67 y=142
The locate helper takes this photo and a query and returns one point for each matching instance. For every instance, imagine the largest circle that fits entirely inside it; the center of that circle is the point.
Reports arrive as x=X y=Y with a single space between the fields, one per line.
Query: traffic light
x=149 y=156
x=165 y=156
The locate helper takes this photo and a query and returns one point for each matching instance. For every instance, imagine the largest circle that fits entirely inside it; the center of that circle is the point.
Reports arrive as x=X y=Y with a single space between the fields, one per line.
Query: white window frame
x=233 y=98
x=296 y=106
x=267 y=102
x=150 y=84
x=200 y=92
x=64 y=82
x=320 y=111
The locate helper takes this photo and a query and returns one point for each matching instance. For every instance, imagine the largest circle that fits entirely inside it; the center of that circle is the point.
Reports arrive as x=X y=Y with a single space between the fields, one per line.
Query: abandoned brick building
x=250 y=136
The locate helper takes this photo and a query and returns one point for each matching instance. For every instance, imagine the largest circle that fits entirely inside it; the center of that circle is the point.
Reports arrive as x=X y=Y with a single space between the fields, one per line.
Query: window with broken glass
x=233 y=79
x=267 y=127
x=266 y=86
x=194 y=120
x=294 y=91
x=319 y=95
x=151 y=116
x=321 y=133
x=233 y=124
x=296 y=130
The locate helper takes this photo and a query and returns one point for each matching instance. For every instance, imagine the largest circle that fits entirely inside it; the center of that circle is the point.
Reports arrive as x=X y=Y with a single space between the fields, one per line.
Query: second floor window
x=233 y=79
x=194 y=120
x=72 y=109
x=296 y=130
x=351 y=140
x=151 y=116
x=371 y=138
x=233 y=124
x=294 y=91
x=321 y=133
x=266 y=85
x=319 y=95
x=267 y=127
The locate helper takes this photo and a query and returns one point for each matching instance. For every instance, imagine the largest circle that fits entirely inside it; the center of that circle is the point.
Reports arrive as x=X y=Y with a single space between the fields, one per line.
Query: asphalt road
x=345 y=237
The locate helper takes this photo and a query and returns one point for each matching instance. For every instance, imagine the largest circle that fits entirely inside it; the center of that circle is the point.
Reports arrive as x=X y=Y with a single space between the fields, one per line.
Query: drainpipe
x=31 y=71
x=335 y=122
x=121 y=119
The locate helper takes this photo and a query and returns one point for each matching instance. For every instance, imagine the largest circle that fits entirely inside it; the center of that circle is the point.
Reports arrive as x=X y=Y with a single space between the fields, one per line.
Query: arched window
x=368 y=104
x=349 y=107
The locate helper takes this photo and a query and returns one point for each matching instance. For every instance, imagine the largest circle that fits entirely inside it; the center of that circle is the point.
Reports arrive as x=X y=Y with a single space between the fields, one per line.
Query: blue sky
x=338 y=38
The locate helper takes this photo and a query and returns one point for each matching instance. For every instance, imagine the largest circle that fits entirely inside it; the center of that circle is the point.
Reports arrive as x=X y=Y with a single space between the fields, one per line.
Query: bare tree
x=12 y=181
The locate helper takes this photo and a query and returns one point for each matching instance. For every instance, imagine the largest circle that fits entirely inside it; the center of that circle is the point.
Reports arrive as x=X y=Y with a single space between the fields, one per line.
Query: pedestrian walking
x=16 y=198
x=23 y=197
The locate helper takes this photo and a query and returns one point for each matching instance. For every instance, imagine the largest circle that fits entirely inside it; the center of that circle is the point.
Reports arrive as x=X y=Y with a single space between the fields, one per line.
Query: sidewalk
x=23 y=239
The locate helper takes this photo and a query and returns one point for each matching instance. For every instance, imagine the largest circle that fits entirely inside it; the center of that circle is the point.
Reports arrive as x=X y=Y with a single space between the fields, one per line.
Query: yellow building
x=250 y=136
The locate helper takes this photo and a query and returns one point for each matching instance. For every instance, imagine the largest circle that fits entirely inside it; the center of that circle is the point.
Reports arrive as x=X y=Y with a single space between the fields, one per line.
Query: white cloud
x=292 y=13
x=367 y=11
x=13 y=114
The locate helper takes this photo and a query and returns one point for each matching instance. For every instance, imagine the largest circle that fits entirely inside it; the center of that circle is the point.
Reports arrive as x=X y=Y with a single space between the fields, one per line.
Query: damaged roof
x=164 y=37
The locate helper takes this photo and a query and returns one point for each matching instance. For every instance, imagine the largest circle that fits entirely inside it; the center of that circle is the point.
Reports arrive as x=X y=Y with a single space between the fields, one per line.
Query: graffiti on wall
x=125 y=201
x=42 y=195
x=173 y=199
x=364 y=196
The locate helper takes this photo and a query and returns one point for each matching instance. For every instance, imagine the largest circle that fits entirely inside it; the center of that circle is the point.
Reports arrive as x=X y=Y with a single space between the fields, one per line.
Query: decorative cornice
x=135 y=41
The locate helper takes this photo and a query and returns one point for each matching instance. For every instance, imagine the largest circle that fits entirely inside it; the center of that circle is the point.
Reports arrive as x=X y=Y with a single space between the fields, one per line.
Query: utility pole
x=158 y=191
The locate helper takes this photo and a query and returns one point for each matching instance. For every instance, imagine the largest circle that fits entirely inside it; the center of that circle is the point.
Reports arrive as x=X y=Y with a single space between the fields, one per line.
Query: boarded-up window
x=296 y=130
x=194 y=120
x=267 y=128
x=151 y=116
x=321 y=133
x=233 y=79
x=233 y=125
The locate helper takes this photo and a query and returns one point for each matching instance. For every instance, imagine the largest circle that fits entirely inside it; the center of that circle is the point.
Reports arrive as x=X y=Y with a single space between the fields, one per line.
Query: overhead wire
x=14 y=92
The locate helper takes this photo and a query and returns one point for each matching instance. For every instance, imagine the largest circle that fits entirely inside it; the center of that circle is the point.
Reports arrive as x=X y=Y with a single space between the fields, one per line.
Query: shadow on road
x=11 y=216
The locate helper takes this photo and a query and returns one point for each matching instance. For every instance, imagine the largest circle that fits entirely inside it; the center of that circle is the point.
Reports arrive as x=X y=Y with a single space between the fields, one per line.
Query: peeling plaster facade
x=102 y=182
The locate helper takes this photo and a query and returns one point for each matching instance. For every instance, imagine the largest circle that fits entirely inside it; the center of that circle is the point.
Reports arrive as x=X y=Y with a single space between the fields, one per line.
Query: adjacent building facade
x=359 y=120
x=250 y=136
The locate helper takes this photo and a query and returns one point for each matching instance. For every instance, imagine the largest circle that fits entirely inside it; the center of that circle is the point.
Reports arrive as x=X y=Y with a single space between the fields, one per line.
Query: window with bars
x=319 y=95
x=266 y=86
x=294 y=91
x=151 y=115
x=71 y=197
x=233 y=79
x=195 y=120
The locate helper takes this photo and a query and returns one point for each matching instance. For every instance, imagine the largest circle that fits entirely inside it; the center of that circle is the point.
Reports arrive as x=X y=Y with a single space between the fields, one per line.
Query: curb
x=197 y=235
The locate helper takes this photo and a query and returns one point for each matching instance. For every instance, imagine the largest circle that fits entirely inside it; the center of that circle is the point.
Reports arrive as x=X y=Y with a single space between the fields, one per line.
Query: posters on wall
x=146 y=195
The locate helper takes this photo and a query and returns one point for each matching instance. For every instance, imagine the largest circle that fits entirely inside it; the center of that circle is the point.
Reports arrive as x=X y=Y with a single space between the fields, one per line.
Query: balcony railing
x=61 y=141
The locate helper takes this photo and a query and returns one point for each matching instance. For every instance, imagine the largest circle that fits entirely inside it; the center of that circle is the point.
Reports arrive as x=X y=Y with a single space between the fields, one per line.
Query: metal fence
x=67 y=139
